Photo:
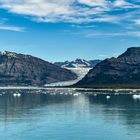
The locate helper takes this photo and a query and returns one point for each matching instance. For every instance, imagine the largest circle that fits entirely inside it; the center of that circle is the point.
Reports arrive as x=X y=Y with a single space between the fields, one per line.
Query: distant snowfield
x=80 y=72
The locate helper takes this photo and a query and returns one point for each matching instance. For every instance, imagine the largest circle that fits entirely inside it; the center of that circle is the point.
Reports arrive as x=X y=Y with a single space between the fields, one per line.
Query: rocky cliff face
x=123 y=71
x=19 y=69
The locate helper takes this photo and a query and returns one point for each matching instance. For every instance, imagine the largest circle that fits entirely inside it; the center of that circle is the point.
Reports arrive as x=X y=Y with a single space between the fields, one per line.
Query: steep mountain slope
x=123 y=71
x=78 y=63
x=19 y=69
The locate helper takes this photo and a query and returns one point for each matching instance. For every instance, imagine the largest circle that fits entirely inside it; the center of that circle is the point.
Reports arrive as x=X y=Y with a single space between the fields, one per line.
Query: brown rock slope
x=21 y=70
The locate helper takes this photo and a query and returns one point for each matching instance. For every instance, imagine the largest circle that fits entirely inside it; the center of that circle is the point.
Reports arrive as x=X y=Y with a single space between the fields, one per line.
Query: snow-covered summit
x=7 y=53
x=78 y=63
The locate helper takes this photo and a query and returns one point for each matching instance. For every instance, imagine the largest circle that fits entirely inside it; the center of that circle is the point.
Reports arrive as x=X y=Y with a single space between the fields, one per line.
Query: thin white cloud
x=107 y=18
x=123 y=4
x=12 y=28
x=102 y=3
x=94 y=34
x=102 y=56
x=137 y=22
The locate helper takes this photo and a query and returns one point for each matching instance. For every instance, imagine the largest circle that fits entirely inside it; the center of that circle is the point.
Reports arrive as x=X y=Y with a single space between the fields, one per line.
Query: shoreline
x=71 y=88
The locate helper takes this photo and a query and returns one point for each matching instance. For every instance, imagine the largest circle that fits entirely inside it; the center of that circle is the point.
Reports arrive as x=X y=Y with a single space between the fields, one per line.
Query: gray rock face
x=123 y=71
x=19 y=69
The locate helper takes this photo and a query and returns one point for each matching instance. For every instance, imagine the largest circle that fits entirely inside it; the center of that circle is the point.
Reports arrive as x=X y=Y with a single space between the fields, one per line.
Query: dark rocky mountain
x=19 y=69
x=123 y=71
x=78 y=63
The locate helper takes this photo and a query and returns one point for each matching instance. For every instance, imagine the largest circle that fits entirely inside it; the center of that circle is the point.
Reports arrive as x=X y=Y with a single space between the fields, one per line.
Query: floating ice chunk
x=116 y=90
x=70 y=93
x=14 y=94
x=66 y=93
x=134 y=90
x=52 y=94
x=75 y=94
x=107 y=97
x=116 y=93
x=18 y=95
x=3 y=92
x=135 y=96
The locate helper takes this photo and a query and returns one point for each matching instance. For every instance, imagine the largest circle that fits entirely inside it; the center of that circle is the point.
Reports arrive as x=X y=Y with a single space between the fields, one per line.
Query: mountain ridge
x=123 y=71
x=20 y=69
x=78 y=63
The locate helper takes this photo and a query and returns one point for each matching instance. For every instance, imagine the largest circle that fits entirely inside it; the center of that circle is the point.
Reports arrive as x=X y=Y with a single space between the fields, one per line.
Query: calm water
x=66 y=117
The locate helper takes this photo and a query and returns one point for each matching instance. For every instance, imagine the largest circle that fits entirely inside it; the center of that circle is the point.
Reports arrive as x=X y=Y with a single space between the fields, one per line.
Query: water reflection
x=65 y=116
x=122 y=109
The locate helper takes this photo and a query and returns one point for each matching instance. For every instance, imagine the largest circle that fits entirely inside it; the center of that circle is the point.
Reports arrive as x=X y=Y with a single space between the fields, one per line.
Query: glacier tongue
x=81 y=72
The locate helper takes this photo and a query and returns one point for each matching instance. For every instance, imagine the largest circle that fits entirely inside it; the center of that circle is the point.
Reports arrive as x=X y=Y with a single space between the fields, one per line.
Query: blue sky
x=59 y=30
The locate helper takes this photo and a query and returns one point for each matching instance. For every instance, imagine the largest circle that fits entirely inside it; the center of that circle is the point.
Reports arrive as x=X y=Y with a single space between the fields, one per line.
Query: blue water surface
x=38 y=116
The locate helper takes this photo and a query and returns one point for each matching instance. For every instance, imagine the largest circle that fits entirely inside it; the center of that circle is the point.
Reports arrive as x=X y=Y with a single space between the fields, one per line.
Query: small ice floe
x=76 y=94
x=0 y=94
x=69 y=90
x=95 y=95
x=116 y=90
x=116 y=93
x=134 y=90
x=38 y=91
x=135 y=96
x=55 y=89
x=52 y=94
x=16 y=94
x=66 y=93
x=3 y=92
x=107 y=97
x=79 y=93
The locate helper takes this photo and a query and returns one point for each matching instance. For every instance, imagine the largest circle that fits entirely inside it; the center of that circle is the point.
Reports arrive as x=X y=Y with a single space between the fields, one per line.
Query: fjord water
x=35 y=116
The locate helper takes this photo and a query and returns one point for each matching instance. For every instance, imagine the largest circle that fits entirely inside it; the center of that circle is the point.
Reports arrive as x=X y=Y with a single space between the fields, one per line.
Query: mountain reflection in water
x=35 y=116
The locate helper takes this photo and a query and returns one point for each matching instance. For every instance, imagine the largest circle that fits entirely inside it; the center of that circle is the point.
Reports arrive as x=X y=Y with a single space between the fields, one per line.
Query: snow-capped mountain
x=78 y=63
x=80 y=67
